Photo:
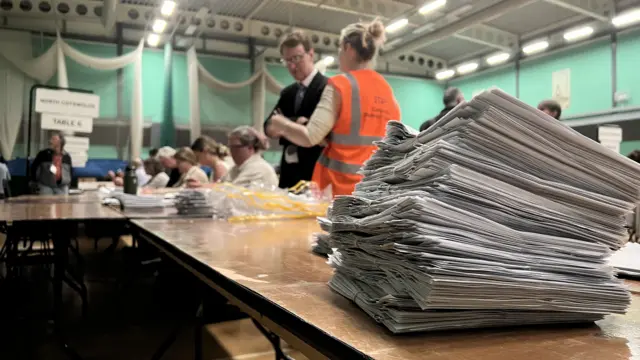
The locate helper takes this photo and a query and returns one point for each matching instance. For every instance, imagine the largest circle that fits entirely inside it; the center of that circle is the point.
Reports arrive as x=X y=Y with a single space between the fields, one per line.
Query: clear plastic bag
x=259 y=202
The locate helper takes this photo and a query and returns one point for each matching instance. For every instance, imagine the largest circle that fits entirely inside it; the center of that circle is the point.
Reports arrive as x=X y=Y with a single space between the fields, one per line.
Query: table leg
x=61 y=259
x=274 y=340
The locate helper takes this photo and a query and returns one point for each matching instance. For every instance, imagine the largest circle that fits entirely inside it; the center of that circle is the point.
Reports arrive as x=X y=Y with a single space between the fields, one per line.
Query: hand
x=193 y=183
x=302 y=120
x=277 y=125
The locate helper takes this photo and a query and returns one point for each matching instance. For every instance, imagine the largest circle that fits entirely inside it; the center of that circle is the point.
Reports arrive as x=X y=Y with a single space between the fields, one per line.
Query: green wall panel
x=224 y=107
x=628 y=62
x=591 y=83
x=419 y=99
x=102 y=83
x=152 y=85
x=504 y=79
x=180 y=90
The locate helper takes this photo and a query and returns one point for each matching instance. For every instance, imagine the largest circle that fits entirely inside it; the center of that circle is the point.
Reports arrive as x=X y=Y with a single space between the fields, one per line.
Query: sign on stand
x=69 y=112
x=610 y=136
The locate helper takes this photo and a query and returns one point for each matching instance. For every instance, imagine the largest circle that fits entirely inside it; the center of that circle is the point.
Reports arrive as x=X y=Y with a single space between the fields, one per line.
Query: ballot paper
x=627 y=260
x=497 y=215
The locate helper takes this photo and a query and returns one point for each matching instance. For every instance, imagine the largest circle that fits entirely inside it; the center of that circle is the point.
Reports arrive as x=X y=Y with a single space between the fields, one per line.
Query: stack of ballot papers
x=137 y=202
x=497 y=215
x=193 y=202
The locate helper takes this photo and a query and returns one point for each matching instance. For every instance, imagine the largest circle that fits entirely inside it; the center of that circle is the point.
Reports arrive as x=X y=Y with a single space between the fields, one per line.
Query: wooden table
x=268 y=270
x=85 y=197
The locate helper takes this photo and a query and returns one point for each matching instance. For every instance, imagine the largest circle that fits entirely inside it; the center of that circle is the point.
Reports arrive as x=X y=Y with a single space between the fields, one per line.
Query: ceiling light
x=159 y=25
x=577 y=34
x=190 y=30
x=467 y=68
x=392 y=43
x=432 y=6
x=328 y=60
x=153 y=39
x=445 y=74
x=627 y=18
x=498 y=58
x=397 y=25
x=423 y=28
x=167 y=7
x=535 y=47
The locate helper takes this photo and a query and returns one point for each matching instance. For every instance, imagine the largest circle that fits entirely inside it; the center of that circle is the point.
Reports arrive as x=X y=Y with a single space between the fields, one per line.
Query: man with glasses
x=298 y=100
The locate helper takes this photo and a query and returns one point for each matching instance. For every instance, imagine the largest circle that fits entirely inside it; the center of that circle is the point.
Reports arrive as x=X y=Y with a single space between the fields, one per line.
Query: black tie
x=299 y=97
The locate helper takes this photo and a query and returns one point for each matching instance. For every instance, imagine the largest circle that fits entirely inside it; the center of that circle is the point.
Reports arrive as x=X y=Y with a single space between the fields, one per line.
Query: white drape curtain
x=42 y=69
x=261 y=82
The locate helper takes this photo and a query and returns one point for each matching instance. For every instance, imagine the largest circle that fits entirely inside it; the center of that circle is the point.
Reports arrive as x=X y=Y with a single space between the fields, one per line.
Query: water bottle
x=130 y=180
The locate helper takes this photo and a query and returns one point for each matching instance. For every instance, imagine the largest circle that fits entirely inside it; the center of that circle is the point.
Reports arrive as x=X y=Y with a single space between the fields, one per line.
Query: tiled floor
x=123 y=323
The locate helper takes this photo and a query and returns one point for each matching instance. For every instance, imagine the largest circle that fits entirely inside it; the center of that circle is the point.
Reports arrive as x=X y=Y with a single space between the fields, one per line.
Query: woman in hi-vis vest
x=352 y=113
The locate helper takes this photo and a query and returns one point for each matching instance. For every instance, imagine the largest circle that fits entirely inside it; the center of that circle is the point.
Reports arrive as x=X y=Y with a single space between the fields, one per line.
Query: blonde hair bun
x=376 y=29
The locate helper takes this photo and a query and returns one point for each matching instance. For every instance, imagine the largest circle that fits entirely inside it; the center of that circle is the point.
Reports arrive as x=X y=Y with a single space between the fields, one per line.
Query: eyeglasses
x=293 y=60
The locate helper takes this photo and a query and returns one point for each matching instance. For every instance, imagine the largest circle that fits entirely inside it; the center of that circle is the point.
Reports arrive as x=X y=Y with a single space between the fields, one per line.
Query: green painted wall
x=504 y=79
x=591 y=82
x=628 y=61
x=590 y=65
x=103 y=83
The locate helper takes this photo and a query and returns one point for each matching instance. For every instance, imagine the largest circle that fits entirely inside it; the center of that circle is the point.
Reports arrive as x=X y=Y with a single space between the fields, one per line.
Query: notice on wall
x=66 y=123
x=67 y=102
x=610 y=136
x=561 y=87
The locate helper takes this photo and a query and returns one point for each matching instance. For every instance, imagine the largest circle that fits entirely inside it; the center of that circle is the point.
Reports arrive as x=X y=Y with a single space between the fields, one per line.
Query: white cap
x=166 y=151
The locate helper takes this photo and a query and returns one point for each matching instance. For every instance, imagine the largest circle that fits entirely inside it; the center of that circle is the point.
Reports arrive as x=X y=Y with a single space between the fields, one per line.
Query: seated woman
x=247 y=145
x=157 y=177
x=214 y=155
x=187 y=164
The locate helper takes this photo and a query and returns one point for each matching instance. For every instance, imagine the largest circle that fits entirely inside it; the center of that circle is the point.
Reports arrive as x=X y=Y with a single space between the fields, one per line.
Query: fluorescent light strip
x=467 y=68
x=423 y=28
x=159 y=25
x=328 y=60
x=432 y=6
x=167 y=7
x=392 y=43
x=153 y=39
x=627 y=18
x=190 y=29
x=535 y=47
x=445 y=74
x=498 y=58
x=577 y=34
x=397 y=25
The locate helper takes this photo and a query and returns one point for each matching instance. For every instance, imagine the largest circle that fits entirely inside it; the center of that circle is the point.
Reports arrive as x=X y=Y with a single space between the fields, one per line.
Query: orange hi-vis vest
x=366 y=107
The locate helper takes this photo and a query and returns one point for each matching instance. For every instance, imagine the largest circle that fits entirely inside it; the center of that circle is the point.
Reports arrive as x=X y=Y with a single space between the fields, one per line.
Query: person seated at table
x=214 y=155
x=52 y=169
x=5 y=177
x=187 y=164
x=157 y=177
x=246 y=145
x=165 y=155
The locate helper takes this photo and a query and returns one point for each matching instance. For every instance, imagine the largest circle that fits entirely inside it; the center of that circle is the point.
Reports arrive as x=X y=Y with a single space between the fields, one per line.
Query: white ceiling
x=460 y=31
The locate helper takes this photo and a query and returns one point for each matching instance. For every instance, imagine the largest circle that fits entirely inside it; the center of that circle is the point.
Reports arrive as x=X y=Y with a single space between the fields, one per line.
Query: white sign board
x=66 y=123
x=78 y=159
x=75 y=144
x=561 y=87
x=610 y=137
x=67 y=102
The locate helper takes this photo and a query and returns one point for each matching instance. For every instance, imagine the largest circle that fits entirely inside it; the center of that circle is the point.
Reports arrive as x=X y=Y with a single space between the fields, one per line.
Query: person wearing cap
x=166 y=156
